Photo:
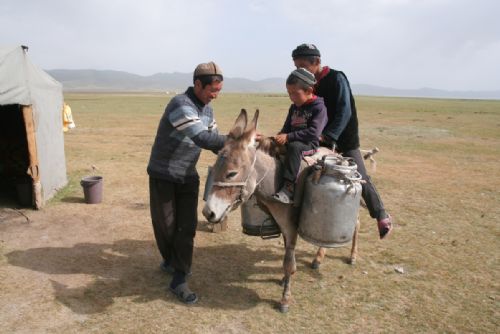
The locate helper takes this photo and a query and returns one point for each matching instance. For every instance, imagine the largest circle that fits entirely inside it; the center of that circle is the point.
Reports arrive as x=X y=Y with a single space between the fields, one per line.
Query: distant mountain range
x=110 y=81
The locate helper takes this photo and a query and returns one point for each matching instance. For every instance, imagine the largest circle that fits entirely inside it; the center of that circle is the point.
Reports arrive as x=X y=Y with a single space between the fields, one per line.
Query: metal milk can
x=330 y=204
x=257 y=222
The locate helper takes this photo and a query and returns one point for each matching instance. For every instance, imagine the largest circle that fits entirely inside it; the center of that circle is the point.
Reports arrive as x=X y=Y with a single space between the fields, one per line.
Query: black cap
x=305 y=50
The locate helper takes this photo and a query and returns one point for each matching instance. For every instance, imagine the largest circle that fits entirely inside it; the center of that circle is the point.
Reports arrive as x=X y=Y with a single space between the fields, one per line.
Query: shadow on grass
x=72 y=199
x=127 y=268
x=330 y=256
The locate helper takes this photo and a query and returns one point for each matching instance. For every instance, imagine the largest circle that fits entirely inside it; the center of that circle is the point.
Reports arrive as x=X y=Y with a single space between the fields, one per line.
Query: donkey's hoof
x=284 y=308
x=352 y=261
x=315 y=265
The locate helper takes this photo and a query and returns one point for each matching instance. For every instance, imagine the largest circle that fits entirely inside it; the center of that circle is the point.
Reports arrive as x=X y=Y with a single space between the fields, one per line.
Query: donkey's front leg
x=289 y=267
x=354 y=248
x=320 y=255
x=284 y=215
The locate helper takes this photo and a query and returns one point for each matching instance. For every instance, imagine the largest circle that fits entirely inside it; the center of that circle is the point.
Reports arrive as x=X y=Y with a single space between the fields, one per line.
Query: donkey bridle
x=240 y=184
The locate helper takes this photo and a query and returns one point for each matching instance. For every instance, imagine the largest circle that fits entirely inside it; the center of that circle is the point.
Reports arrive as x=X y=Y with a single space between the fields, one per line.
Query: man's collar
x=190 y=93
x=324 y=71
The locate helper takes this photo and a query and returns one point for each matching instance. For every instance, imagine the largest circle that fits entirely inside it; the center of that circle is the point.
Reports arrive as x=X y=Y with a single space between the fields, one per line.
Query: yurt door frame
x=33 y=169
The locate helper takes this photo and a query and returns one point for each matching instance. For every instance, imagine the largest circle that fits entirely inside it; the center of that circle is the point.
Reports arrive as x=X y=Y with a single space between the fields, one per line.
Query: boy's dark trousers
x=174 y=213
x=369 y=192
x=295 y=151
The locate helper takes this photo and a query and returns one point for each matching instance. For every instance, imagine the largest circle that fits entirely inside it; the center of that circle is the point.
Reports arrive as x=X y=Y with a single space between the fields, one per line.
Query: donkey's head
x=234 y=175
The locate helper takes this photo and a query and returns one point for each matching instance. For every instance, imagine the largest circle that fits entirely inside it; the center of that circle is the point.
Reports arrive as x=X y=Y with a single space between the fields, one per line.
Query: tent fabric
x=19 y=77
x=21 y=82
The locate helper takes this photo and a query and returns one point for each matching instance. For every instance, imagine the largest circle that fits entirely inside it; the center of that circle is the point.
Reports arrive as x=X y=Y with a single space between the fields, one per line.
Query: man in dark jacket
x=341 y=131
x=185 y=128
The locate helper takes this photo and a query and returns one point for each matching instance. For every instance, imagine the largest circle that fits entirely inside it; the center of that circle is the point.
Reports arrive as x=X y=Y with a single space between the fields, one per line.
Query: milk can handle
x=355 y=177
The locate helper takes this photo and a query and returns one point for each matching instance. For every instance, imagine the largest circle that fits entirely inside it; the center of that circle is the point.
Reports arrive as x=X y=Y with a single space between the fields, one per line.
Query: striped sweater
x=185 y=128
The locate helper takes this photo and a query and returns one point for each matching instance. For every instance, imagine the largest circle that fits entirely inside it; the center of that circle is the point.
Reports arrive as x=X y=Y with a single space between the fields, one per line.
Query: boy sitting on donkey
x=301 y=132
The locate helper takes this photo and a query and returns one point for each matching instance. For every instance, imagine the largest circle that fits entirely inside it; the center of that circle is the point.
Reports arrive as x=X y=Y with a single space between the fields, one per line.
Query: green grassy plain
x=81 y=268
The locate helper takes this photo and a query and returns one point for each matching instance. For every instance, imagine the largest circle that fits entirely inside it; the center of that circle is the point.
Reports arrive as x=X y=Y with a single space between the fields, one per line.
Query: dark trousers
x=295 y=151
x=369 y=192
x=174 y=213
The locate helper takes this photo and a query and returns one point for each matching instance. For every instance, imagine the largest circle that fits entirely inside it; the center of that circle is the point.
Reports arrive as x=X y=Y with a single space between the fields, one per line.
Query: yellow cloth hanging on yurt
x=68 y=122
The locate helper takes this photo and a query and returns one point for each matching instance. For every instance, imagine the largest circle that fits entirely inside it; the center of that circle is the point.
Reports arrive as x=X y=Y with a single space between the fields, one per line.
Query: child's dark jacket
x=305 y=123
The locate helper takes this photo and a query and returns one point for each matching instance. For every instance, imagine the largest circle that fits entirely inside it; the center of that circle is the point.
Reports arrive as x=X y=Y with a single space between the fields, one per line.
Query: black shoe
x=184 y=294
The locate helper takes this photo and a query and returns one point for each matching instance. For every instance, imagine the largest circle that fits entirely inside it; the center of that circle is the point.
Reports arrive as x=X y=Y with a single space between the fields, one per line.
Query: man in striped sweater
x=186 y=127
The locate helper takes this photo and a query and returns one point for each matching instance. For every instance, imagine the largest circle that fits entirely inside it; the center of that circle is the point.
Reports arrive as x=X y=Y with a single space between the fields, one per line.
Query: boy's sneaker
x=285 y=195
x=384 y=226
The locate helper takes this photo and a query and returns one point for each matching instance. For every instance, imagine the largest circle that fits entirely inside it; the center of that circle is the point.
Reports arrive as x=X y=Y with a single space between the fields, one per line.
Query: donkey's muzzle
x=209 y=215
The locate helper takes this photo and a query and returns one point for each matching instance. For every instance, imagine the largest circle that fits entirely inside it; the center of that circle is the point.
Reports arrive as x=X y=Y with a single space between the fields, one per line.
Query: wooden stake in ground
x=220 y=227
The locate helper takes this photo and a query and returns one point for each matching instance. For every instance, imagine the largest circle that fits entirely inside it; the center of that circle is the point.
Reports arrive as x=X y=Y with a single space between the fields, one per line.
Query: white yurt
x=32 y=160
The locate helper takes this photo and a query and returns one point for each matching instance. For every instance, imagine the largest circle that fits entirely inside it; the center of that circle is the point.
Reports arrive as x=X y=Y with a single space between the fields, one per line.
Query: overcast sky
x=447 y=44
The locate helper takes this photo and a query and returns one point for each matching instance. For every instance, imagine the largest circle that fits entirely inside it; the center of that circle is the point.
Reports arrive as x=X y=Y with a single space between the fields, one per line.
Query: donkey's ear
x=239 y=126
x=253 y=124
x=251 y=131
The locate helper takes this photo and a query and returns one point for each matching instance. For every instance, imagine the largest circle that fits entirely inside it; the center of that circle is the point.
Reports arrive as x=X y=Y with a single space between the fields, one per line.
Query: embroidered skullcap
x=304 y=50
x=304 y=75
x=206 y=69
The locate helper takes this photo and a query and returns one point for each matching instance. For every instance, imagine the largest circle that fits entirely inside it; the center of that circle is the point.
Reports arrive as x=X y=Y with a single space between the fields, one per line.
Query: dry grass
x=81 y=268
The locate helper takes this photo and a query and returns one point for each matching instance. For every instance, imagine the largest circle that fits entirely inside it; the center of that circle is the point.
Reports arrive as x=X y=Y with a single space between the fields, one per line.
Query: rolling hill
x=110 y=81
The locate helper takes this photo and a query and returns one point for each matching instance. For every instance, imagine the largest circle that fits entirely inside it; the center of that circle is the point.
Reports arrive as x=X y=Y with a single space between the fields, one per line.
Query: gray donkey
x=242 y=169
